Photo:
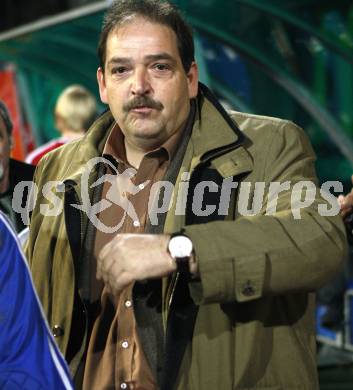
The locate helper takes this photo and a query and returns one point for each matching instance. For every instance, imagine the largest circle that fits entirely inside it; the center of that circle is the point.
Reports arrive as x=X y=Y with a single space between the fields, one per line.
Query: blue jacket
x=29 y=358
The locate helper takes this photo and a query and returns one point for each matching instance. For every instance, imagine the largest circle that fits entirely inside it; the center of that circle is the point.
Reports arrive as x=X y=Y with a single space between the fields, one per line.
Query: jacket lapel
x=217 y=139
x=89 y=147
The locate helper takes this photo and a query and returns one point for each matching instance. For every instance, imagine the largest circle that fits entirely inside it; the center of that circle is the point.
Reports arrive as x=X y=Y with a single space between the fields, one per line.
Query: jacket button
x=248 y=289
x=58 y=331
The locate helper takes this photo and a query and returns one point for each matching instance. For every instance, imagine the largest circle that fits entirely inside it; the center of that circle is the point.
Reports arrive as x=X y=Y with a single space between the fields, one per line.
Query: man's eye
x=162 y=67
x=119 y=70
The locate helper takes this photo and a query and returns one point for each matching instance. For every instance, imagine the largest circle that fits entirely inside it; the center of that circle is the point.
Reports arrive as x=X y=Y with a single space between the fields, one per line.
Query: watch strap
x=182 y=264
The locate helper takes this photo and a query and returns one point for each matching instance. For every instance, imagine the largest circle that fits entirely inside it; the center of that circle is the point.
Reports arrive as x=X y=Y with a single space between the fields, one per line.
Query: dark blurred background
x=19 y=12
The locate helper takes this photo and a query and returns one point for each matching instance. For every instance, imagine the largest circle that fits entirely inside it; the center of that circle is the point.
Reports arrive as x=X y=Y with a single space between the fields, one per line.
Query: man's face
x=145 y=84
x=5 y=149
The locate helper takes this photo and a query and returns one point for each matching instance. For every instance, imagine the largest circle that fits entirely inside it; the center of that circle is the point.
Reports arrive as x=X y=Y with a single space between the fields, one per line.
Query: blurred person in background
x=29 y=358
x=75 y=111
x=12 y=171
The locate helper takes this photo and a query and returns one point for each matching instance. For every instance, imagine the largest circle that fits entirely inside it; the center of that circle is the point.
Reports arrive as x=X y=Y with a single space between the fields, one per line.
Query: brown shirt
x=115 y=357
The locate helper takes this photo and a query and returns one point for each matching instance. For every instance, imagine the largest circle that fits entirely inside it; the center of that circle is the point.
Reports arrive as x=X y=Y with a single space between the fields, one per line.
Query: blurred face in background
x=5 y=149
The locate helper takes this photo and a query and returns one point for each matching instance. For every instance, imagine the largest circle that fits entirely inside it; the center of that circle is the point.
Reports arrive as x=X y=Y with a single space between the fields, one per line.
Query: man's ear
x=101 y=84
x=11 y=142
x=193 y=80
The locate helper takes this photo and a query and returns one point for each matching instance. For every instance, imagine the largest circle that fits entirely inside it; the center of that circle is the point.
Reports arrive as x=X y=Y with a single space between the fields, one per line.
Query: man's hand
x=346 y=203
x=132 y=257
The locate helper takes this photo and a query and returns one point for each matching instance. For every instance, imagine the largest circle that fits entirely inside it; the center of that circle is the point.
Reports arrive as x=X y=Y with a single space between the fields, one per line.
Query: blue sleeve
x=29 y=358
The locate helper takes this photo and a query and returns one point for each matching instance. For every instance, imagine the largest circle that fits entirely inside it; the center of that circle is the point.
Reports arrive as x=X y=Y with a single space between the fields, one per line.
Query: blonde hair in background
x=77 y=107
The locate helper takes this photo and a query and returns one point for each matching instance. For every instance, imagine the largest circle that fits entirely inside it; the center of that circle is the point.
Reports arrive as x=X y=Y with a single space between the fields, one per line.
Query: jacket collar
x=217 y=139
x=88 y=147
x=213 y=128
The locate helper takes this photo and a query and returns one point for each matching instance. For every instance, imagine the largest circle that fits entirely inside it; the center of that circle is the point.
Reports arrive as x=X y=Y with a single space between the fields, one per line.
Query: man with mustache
x=199 y=297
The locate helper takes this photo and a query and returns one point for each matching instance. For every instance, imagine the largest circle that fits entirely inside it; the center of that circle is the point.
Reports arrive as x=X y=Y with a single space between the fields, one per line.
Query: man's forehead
x=141 y=33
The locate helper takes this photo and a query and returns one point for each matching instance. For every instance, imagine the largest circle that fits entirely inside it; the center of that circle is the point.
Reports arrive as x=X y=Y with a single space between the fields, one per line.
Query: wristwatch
x=180 y=248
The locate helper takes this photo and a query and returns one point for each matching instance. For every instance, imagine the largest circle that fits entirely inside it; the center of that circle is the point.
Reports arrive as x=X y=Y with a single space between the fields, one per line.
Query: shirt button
x=58 y=331
x=123 y=385
x=125 y=344
x=128 y=303
x=141 y=186
x=136 y=223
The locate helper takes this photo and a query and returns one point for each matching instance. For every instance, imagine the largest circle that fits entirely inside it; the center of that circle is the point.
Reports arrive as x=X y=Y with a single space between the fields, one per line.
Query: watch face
x=180 y=246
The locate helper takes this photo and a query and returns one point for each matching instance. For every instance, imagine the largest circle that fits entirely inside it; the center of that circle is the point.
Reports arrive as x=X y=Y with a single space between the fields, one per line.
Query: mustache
x=143 y=101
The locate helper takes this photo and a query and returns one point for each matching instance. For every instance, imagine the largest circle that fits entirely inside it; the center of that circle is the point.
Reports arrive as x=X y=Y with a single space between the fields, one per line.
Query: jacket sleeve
x=271 y=253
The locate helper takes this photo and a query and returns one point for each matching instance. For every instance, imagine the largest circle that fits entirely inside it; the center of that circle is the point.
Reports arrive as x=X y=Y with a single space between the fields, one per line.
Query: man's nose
x=140 y=84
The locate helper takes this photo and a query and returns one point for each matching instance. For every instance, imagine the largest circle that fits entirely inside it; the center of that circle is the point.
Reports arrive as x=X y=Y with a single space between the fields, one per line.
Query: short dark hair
x=161 y=12
x=5 y=115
